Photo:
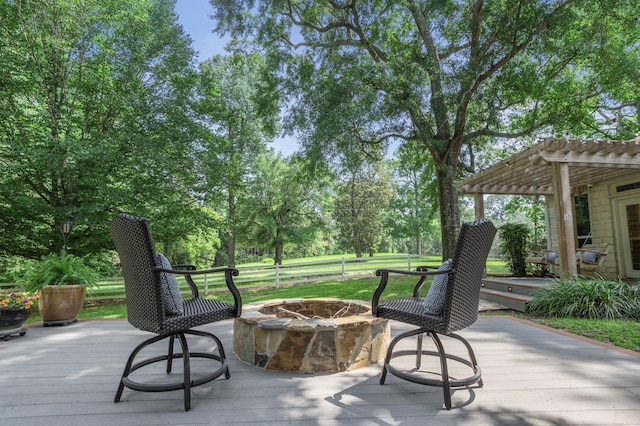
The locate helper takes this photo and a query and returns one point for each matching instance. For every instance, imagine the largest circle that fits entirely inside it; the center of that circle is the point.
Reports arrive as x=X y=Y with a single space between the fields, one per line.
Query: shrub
x=13 y=267
x=103 y=264
x=580 y=297
x=513 y=245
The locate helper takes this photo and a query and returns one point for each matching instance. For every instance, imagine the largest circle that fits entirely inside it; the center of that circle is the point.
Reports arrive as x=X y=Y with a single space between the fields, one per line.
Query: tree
x=95 y=119
x=239 y=109
x=283 y=205
x=414 y=201
x=359 y=203
x=451 y=75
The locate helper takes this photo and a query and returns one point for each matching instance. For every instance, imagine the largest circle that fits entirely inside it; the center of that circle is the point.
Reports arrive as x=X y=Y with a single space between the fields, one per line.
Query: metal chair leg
x=419 y=351
x=444 y=370
x=170 y=353
x=186 y=371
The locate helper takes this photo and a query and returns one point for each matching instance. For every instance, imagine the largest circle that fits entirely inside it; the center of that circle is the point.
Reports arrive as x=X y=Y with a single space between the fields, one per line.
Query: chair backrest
x=469 y=261
x=141 y=281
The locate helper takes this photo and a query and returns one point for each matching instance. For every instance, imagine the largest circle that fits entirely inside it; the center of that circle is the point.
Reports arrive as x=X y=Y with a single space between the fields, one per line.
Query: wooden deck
x=532 y=375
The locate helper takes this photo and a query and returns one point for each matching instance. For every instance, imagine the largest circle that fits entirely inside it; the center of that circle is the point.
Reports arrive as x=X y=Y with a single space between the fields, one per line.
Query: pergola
x=558 y=167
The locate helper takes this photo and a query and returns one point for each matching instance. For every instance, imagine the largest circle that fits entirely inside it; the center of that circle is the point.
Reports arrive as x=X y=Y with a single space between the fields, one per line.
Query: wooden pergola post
x=478 y=203
x=564 y=208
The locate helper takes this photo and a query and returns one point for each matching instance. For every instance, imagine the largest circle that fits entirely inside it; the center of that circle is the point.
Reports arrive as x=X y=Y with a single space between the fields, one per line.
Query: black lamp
x=65 y=228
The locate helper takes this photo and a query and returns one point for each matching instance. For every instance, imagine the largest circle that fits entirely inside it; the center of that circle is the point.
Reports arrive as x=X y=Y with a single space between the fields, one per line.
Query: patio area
x=532 y=375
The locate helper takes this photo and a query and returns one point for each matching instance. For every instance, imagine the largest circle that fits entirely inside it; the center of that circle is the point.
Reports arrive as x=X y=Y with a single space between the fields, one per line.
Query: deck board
x=533 y=375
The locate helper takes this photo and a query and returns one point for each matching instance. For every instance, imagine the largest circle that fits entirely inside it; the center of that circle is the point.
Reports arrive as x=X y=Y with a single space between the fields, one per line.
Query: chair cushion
x=434 y=301
x=552 y=256
x=169 y=288
x=591 y=257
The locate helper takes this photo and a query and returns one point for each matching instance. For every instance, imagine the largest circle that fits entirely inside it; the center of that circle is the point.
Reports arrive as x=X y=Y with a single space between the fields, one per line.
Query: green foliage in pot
x=513 y=245
x=58 y=270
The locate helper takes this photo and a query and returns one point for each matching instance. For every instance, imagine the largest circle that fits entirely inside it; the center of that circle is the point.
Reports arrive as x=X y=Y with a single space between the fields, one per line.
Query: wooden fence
x=269 y=276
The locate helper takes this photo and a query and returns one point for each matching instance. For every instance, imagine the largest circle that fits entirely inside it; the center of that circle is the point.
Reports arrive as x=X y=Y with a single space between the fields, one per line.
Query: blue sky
x=194 y=18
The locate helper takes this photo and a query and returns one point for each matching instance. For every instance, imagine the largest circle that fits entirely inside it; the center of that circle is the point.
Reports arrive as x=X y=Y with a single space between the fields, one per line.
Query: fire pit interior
x=310 y=335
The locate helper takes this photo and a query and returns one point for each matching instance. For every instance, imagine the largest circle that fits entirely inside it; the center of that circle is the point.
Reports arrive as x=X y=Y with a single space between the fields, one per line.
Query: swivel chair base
x=187 y=382
x=445 y=382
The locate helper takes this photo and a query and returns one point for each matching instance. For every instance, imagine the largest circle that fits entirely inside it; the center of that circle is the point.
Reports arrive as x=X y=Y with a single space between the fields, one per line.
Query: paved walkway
x=532 y=375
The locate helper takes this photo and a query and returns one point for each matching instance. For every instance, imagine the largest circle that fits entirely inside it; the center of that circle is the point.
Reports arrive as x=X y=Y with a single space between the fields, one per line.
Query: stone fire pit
x=310 y=335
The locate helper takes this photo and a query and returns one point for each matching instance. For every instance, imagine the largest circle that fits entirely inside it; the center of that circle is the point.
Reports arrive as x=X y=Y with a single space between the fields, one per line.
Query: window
x=583 y=222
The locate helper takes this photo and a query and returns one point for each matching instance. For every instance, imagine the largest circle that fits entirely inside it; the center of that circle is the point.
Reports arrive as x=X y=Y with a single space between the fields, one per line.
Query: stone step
x=524 y=286
x=514 y=301
x=512 y=292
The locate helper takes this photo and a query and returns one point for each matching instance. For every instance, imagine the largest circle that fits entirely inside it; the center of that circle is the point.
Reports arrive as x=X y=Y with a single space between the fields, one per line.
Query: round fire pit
x=310 y=335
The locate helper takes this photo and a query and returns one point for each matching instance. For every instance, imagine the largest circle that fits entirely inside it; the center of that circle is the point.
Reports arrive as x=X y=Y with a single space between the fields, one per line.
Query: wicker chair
x=456 y=310
x=146 y=310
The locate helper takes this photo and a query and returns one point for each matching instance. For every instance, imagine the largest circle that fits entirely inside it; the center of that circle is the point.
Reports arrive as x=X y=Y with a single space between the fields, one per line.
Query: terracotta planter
x=539 y=273
x=60 y=305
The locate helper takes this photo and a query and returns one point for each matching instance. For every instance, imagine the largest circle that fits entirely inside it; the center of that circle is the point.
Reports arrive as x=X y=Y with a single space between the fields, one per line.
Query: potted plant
x=62 y=281
x=15 y=308
x=540 y=271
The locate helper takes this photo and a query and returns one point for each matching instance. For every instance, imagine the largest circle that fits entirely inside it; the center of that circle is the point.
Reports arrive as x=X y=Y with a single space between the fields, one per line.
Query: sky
x=193 y=15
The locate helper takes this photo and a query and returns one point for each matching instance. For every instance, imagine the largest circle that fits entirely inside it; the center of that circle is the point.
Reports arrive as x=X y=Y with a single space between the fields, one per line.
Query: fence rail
x=269 y=276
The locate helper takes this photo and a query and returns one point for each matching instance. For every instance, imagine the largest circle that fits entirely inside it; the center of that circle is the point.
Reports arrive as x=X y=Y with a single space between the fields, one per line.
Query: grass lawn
x=624 y=334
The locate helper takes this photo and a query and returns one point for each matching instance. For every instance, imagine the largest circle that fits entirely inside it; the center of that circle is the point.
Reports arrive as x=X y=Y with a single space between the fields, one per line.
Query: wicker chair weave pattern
x=469 y=260
x=410 y=311
x=197 y=312
x=145 y=309
x=142 y=282
x=463 y=289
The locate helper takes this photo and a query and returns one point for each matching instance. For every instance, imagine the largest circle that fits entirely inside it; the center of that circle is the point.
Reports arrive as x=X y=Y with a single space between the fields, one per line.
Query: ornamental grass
x=581 y=297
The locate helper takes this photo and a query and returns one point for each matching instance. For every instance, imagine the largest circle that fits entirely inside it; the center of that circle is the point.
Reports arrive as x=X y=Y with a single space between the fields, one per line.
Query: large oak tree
x=451 y=75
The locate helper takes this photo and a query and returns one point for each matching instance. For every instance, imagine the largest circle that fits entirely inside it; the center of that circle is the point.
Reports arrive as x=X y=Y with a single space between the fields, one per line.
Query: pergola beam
x=507 y=189
x=561 y=168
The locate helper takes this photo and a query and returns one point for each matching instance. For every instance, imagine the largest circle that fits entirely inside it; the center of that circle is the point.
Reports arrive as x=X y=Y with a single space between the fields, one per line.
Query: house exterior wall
x=602 y=230
x=602 y=197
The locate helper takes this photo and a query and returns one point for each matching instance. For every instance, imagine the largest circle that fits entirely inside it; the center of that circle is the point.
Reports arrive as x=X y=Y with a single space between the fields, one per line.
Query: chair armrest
x=185 y=267
x=421 y=271
x=229 y=273
x=192 y=285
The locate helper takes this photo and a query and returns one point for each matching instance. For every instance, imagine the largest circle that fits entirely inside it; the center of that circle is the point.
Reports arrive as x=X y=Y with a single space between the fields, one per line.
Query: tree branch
x=376 y=53
x=457 y=140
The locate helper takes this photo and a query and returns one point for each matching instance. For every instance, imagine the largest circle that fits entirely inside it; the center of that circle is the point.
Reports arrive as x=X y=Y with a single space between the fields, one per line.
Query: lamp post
x=65 y=228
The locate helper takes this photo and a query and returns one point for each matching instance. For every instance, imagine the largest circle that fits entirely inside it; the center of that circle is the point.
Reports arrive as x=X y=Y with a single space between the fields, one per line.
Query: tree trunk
x=220 y=257
x=449 y=211
x=357 y=247
x=279 y=251
x=231 y=219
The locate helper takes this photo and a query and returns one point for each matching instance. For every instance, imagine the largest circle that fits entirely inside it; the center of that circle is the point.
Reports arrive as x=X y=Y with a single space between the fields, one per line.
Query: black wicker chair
x=458 y=310
x=146 y=309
